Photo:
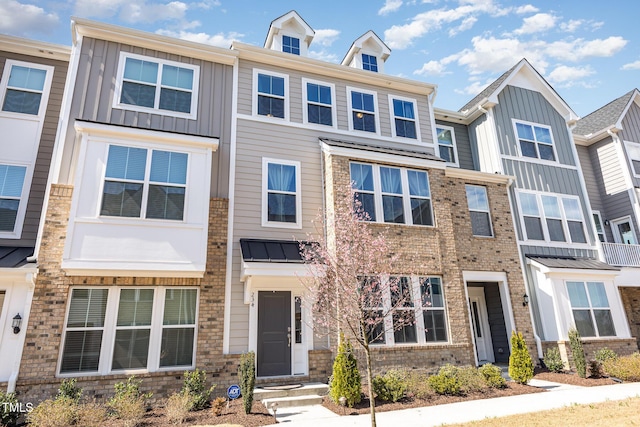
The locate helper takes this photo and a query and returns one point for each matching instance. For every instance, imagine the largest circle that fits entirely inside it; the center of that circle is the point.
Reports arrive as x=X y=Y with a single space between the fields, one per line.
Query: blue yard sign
x=233 y=392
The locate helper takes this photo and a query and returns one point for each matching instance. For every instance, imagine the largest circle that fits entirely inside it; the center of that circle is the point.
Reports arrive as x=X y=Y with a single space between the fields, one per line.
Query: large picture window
x=590 y=307
x=281 y=193
x=535 y=141
x=552 y=218
x=11 y=186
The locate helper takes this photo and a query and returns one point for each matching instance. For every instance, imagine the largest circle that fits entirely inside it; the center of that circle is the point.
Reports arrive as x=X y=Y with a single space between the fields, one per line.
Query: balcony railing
x=622 y=255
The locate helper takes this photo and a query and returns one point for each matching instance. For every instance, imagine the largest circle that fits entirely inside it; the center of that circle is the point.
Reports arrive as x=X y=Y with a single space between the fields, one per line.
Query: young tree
x=353 y=287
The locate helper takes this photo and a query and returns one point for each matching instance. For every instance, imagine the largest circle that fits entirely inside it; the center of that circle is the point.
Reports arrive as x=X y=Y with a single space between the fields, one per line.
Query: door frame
x=617 y=237
x=476 y=294
x=271 y=305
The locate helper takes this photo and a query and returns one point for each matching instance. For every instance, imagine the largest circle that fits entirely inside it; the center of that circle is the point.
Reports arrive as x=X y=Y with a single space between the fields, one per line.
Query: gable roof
x=277 y=23
x=356 y=46
x=488 y=90
x=605 y=117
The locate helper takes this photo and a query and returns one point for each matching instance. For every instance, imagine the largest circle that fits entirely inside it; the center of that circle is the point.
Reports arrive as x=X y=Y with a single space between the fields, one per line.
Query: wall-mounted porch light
x=17 y=322
x=525 y=300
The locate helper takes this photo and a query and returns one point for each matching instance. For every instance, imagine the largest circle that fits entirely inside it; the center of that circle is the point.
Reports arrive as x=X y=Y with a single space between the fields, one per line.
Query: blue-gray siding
x=463 y=144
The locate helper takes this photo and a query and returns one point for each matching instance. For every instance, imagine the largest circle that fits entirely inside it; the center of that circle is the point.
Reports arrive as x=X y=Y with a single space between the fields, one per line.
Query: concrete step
x=292 y=401
x=313 y=389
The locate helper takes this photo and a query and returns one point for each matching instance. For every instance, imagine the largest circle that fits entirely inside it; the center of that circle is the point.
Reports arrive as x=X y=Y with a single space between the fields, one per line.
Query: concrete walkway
x=560 y=395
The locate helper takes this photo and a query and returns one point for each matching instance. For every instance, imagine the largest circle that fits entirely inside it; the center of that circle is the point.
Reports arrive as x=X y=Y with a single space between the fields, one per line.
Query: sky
x=589 y=51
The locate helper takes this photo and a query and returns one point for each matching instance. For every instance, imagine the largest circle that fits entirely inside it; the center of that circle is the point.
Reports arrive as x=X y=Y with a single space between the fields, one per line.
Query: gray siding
x=590 y=179
x=45 y=149
x=631 y=132
x=463 y=145
x=93 y=100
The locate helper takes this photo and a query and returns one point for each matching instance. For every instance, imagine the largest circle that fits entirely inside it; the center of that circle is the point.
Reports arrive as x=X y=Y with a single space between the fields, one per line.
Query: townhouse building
x=32 y=76
x=608 y=143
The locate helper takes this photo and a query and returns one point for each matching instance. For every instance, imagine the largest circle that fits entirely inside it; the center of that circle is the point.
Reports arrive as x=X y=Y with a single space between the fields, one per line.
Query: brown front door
x=274 y=333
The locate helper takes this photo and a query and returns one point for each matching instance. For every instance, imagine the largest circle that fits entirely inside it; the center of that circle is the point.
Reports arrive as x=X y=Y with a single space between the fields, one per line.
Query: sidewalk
x=559 y=395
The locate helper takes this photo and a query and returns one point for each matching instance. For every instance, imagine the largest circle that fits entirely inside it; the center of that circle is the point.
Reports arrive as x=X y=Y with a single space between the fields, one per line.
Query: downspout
x=30 y=278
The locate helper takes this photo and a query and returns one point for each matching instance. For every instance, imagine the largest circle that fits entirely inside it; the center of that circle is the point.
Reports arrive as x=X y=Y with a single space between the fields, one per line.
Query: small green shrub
x=626 y=368
x=91 y=414
x=59 y=412
x=492 y=376
x=520 y=363
x=8 y=417
x=470 y=379
x=128 y=403
x=69 y=389
x=390 y=387
x=177 y=407
x=575 y=342
x=345 y=378
x=446 y=381
x=604 y=354
x=418 y=385
x=247 y=376
x=195 y=386
x=553 y=361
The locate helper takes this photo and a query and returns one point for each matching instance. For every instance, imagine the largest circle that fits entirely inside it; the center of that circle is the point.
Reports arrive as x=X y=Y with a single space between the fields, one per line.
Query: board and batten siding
x=463 y=144
x=45 y=147
x=93 y=101
x=631 y=132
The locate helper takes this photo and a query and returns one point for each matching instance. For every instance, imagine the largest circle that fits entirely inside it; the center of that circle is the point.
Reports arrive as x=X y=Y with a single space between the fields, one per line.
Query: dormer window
x=291 y=45
x=369 y=62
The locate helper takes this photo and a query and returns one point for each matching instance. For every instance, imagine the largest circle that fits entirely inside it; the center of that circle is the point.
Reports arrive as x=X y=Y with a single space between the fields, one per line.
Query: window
x=131 y=189
x=25 y=87
x=435 y=325
x=633 y=151
x=552 y=218
x=319 y=98
x=404 y=327
x=11 y=184
x=291 y=45
x=479 y=210
x=369 y=62
x=271 y=95
x=446 y=143
x=281 y=193
x=590 y=307
x=151 y=84
x=535 y=141
x=599 y=226
x=404 y=118
x=120 y=329
x=363 y=111
x=392 y=195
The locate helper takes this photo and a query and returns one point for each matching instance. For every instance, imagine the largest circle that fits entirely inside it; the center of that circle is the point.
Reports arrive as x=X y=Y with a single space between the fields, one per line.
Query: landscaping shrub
x=195 y=386
x=492 y=376
x=218 y=405
x=520 y=363
x=128 y=403
x=69 y=389
x=604 y=354
x=7 y=416
x=390 y=387
x=626 y=368
x=575 y=342
x=345 y=378
x=595 y=369
x=59 y=412
x=247 y=376
x=470 y=379
x=446 y=381
x=91 y=414
x=418 y=385
x=177 y=407
x=553 y=361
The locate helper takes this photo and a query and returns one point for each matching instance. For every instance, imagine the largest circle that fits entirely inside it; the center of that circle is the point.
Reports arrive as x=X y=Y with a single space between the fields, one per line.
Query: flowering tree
x=352 y=284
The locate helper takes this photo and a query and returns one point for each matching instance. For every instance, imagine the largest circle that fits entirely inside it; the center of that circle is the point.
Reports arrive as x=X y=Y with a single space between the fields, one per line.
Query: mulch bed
x=571 y=378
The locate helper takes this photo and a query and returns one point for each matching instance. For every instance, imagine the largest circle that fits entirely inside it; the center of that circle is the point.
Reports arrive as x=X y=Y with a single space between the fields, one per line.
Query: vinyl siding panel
x=463 y=145
x=589 y=173
x=631 y=132
x=611 y=167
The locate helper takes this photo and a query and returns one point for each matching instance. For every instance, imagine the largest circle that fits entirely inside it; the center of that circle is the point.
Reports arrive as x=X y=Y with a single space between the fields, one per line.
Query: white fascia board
x=478 y=176
x=132 y=269
x=96 y=129
x=373 y=156
x=484 y=276
x=35 y=48
x=14 y=274
x=274 y=269
x=555 y=272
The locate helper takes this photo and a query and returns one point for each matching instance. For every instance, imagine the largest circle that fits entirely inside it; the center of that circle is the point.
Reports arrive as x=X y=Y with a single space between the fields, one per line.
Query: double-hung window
x=11 y=186
x=404 y=321
x=591 y=310
x=144 y=183
x=123 y=329
x=435 y=325
x=404 y=118
x=552 y=218
x=271 y=94
x=362 y=106
x=24 y=87
x=392 y=195
x=369 y=62
x=446 y=143
x=535 y=141
x=291 y=45
x=152 y=85
x=281 y=193
x=597 y=219
x=479 y=210
x=319 y=102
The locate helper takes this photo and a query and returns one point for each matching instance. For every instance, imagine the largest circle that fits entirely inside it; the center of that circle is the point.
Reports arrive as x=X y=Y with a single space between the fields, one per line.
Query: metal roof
x=12 y=256
x=572 y=263
x=260 y=250
x=379 y=149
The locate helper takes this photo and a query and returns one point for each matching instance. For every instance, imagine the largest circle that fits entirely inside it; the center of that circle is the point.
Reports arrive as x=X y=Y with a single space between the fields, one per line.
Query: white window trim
x=591 y=308
x=305 y=103
x=44 y=100
x=265 y=198
x=488 y=212
x=109 y=332
x=630 y=148
x=543 y=220
x=24 y=199
x=392 y=117
x=453 y=140
x=360 y=62
x=595 y=231
x=614 y=227
x=254 y=104
x=406 y=197
x=534 y=159
x=161 y=62
x=376 y=112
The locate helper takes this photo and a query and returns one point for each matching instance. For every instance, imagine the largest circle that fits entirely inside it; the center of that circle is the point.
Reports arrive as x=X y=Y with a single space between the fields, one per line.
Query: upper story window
x=479 y=210
x=149 y=84
x=597 y=219
x=369 y=62
x=271 y=94
x=281 y=196
x=392 y=195
x=590 y=308
x=11 y=186
x=535 y=141
x=291 y=45
x=447 y=143
x=25 y=87
x=552 y=218
x=404 y=117
x=362 y=106
x=319 y=99
x=633 y=151
x=131 y=189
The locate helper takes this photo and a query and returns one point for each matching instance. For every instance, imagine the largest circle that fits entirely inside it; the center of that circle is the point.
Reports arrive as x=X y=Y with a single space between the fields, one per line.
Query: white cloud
x=490 y=54
x=390 y=6
x=432 y=69
x=580 y=49
x=572 y=25
x=220 y=39
x=631 y=66
x=567 y=76
x=537 y=23
x=474 y=88
x=133 y=12
x=326 y=37
x=464 y=26
x=527 y=8
x=324 y=55
x=98 y=8
x=20 y=18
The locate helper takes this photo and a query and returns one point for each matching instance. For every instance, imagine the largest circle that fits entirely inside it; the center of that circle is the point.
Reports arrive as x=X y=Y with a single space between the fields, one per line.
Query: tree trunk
x=372 y=400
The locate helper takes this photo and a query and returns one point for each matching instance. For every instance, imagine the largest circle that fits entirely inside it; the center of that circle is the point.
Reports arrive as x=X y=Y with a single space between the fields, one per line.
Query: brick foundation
x=621 y=347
